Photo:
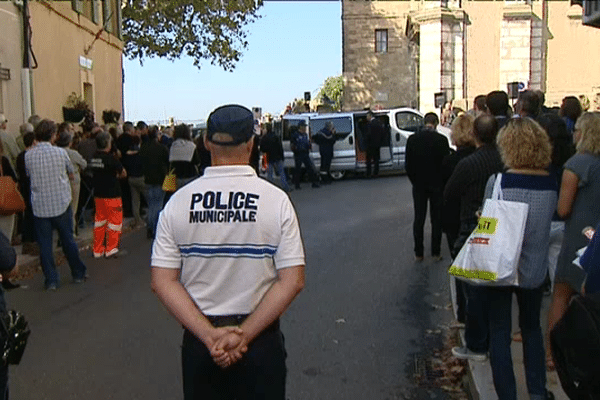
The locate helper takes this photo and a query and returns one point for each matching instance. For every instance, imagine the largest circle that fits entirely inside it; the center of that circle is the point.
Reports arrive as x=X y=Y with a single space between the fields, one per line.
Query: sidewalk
x=29 y=265
x=480 y=373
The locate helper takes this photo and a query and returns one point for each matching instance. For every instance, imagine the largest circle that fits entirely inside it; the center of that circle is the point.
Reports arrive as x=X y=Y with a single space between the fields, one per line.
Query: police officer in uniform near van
x=227 y=261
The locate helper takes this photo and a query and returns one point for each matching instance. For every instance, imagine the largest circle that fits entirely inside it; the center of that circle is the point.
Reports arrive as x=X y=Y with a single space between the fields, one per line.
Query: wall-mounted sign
x=439 y=99
x=381 y=96
x=4 y=74
x=85 y=62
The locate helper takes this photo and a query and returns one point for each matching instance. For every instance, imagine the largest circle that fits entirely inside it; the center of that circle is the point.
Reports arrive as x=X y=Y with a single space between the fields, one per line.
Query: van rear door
x=361 y=130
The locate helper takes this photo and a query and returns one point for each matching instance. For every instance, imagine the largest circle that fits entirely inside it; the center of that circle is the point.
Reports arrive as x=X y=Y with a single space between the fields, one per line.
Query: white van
x=349 y=152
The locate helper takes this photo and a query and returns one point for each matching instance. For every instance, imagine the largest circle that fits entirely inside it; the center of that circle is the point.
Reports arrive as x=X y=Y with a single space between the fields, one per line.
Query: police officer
x=326 y=140
x=300 y=144
x=227 y=261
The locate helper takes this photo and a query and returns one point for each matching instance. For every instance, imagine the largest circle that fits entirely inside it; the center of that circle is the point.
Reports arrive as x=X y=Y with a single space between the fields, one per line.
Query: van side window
x=408 y=121
x=287 y=127
x=343 y=126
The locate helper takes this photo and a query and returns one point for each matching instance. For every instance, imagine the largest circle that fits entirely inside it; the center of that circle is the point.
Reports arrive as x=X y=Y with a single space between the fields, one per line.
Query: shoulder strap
x=497 y=193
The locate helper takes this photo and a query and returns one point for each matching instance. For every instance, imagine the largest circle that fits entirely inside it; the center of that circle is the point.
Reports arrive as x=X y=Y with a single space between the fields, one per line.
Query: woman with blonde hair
x=526 y=151
x=578 y=206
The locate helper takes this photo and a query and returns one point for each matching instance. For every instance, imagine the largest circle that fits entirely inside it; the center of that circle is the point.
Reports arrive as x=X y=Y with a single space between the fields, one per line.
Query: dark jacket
x=155 y=162
x=325 y=139
x=376 y=134
x=270 y=144
x=467 y=185
x=425 y=151
x=300 y=143
x=8 y=260
x=451 y=207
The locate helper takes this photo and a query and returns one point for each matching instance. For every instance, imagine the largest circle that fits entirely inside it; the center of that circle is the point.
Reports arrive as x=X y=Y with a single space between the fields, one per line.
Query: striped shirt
x=48 y=168
x=541 y=194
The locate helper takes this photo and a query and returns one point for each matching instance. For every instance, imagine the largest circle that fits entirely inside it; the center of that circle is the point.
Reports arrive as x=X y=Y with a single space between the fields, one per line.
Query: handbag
x=11 y=201
x=491 y=254
x=170 y=182
x=16 y=329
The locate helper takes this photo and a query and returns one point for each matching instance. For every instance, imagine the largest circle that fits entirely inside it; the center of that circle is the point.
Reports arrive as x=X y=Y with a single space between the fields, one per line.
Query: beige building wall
x=377 y=79
x=11 y=99
x=544 y=45
x=60 y=37
x=573 y=67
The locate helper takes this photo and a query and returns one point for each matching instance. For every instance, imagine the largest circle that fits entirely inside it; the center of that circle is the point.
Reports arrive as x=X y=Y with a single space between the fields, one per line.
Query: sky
x=292 y=49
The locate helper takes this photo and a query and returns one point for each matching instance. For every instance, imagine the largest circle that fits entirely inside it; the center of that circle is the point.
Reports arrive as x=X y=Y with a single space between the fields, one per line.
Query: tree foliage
x=333 y=89
x=205 y=30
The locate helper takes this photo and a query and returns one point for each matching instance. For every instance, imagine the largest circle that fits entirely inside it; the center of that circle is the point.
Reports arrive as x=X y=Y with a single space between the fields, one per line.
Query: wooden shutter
x=95 y=12
x=77 y=6
x=106 y=14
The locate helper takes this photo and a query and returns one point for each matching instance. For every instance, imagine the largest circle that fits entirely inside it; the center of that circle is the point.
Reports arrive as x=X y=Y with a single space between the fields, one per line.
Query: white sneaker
x=465 y=354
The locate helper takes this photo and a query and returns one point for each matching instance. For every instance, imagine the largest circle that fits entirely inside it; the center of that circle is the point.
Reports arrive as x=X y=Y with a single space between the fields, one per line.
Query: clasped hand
x=228 y=346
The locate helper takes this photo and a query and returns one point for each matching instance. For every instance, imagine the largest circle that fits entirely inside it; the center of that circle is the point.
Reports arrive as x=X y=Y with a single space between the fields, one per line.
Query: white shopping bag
x=490 y=256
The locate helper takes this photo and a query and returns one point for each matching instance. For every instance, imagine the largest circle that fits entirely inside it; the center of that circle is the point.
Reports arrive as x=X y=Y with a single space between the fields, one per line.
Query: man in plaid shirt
x=49 y=169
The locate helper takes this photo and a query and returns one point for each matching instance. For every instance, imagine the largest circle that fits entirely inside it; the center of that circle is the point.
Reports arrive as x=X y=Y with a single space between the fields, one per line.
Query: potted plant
x=110 y=116
x=75 y=109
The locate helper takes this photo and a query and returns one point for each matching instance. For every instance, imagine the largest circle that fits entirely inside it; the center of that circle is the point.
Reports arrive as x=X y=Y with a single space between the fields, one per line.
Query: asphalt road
x=353 y=333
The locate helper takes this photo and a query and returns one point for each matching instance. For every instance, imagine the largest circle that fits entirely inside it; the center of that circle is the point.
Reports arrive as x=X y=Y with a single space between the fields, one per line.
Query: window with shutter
x=107 y=16
x=77 y=6
x=95 y=12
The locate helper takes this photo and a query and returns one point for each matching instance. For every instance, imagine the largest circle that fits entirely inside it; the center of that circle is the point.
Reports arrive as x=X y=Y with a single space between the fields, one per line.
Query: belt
x=236 y=319
x=226 y=320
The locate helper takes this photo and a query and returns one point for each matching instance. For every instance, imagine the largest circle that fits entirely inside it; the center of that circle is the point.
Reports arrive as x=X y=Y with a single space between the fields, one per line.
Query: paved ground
x=367 y=313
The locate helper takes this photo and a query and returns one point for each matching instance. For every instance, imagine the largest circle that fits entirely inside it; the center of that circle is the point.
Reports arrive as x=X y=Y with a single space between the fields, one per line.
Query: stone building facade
x=464 y=48
x=76 y=47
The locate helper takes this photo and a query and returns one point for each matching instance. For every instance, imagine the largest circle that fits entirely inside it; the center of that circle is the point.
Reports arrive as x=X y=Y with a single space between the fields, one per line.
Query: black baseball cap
x=232 y=119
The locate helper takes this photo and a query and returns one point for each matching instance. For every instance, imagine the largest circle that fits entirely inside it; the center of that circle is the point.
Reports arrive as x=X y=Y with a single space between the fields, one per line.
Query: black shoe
x=316 y=185
x=8 y=285
x=298 y=187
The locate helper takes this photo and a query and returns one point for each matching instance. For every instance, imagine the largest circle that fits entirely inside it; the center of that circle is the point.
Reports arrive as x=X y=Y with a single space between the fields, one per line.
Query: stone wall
x=377 y=79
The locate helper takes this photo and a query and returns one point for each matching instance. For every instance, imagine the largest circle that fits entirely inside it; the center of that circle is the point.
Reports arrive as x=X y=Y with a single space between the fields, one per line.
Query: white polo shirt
x=228 y=232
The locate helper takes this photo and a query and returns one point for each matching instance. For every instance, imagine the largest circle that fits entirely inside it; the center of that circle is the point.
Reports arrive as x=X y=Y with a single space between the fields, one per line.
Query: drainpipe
x=26 y=70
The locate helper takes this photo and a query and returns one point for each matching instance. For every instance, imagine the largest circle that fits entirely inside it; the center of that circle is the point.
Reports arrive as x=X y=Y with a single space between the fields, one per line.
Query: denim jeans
x=278 y=167
x=477 y=318
x=530 y=304
x=64 y=225
x=155 y=197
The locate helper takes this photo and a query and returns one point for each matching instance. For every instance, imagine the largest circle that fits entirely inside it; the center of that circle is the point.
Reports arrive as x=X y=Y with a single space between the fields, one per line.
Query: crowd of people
x=61 y=168
x=548 y=159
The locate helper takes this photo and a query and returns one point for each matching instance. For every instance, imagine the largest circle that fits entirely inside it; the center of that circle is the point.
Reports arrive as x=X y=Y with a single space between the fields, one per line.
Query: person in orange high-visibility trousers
x=107 y=170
